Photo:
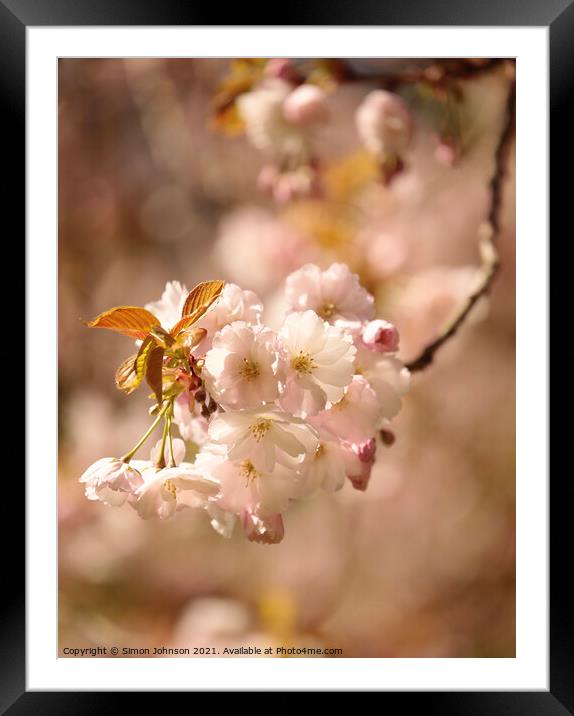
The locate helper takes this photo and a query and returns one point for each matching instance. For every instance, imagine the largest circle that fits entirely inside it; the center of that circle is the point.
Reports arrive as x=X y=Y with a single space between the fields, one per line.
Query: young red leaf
x=130 y=373
x=126 y=375
x=162 y=337
x=184 y=323
x=192 y=337
x=201 y=297
x=196 y=304
x=131 y=321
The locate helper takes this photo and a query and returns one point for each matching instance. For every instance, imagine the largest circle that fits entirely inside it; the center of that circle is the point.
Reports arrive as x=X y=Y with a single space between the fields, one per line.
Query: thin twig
x=435 y=72
x=487 y=241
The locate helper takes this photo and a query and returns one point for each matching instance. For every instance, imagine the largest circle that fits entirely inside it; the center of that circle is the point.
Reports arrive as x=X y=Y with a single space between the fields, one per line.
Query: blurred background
x=151 y=189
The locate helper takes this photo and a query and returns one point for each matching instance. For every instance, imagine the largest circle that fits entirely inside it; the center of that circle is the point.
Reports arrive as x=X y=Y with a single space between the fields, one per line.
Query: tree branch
x=488 y=236
x=434 y=72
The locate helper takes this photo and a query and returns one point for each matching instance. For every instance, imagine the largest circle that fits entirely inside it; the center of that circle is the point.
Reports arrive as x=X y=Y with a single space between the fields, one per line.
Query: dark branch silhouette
x=489 y=233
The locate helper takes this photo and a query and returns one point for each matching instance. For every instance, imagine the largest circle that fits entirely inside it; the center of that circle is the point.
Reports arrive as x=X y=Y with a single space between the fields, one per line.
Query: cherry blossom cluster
x=285 y=105
x=281 y=116
x=274 y=416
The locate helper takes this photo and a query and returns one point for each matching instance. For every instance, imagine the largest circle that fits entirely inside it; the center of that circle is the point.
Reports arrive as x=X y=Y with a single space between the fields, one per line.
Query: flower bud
x=361 y=480
x=283 y=68
x=111 y=480
x=387 y=437
x=306 y=105
x=267 y=178
x=285 y=189
x=384 y=123
x=265 y=530
x=381 y=336
x=447 y=151
x=301 y=182
x=365 y=451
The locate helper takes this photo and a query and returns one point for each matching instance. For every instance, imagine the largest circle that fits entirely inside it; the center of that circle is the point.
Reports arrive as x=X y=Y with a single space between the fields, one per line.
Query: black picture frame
x=558 y=16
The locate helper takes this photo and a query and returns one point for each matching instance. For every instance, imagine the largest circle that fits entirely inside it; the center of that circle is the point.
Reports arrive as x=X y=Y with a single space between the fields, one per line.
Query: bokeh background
x=420 y=565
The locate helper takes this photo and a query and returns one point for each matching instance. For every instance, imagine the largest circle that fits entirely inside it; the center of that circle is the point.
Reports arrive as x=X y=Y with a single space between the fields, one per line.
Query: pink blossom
x=243 y=369
x=277 y=416
x=265 y=437
x=265 y=124
x=333 y=294
x=306 y=105
x=381 y=336
x=111 y=481
x=243 y=486
x=279 y=122
x=336 y=460
x=384 y=123
x=295 y=184
x=287 y=185
x=319 y=363
x=169 y=489
x=388 y=378
x=187 y=416
x=234 y=304
x=328 y=467
x=355 y=417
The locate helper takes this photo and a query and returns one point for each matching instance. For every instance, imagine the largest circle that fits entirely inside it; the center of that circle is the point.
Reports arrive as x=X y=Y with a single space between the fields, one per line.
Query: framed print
x=286 y=335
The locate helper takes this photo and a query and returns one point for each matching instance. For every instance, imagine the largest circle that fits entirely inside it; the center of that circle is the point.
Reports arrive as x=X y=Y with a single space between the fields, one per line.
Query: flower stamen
x=259 y=429
x=327 y=310
x=248 y=472
x=303 y=363
x=249 y=370
x=170 y=487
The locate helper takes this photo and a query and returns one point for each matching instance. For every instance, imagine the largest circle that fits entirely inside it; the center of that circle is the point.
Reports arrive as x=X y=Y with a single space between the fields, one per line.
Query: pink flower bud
x=291 y=185
x=361 y=481
x=365 y=451
x=265 y=530
x=267 y=178
x=384 y=123
x=447 y=152
x=306 y=105
x=282 y=68
x=381 y=336
x=284 y=190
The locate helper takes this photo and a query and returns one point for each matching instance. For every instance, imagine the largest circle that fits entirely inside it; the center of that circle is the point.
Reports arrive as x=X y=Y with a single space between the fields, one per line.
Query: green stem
x=160 y=462
x=171 y=457
x=128 y=456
